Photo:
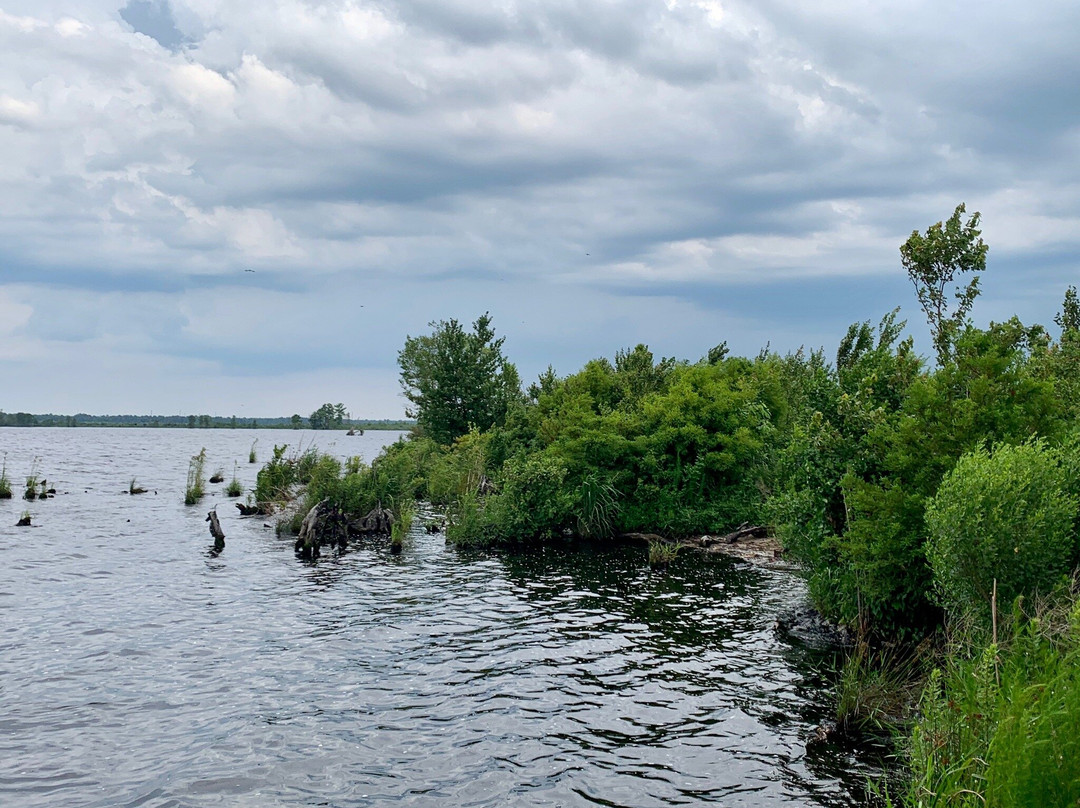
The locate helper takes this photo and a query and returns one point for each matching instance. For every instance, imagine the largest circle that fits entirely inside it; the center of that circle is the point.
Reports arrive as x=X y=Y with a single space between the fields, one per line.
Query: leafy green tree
x=933 y=262
x=296 y=421
x=328 y=416
x=457 y=380
x=1068 y=319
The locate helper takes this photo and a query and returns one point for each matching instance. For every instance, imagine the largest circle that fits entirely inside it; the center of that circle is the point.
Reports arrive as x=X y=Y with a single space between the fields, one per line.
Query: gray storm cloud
x=668 y=172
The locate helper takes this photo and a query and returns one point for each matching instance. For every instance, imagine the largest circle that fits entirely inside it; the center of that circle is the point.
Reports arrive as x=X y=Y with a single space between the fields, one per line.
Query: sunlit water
x=137 y=670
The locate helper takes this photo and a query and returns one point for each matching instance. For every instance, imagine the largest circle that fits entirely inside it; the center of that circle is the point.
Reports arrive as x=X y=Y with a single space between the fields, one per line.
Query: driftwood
x=324 y=524
x=216 y=531
x=249 y=510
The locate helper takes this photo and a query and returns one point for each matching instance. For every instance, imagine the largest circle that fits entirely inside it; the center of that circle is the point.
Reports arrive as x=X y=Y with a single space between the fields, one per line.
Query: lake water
x=137 y=670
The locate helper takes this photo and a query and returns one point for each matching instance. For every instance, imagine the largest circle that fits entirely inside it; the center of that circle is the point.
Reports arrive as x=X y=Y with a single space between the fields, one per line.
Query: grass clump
x=196 y=479
x=403 y=521
x=251 y=452
x=5 y=483
x=879 y=689
x=234 y=488
x=30 y=494
x=218 y=476
x=135 y=488
x=662 y=553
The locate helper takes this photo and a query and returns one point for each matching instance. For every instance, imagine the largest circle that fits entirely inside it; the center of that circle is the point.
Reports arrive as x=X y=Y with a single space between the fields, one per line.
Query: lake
x=138 y=670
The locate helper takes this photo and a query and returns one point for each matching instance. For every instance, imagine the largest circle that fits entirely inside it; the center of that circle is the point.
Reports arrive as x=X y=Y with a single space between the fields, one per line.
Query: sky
x=245 y=207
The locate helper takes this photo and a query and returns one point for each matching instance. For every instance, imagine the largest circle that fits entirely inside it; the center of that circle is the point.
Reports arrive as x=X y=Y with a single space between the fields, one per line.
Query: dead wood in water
x=216 y=531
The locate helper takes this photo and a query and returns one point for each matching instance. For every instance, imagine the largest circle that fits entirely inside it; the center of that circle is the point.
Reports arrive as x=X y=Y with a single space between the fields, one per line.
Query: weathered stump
x=216 y=531
x=23 y=522
x=378 y=522
x=249 y=510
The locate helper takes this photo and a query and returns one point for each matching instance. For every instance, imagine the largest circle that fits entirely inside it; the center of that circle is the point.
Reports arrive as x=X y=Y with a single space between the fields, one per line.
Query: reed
x=234 y=488
x=196 y=479
x=5 y=483
x=662 y=553
x=251 y=454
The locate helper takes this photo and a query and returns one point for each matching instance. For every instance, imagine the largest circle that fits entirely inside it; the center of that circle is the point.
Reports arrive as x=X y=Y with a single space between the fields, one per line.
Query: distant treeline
x=190 y=421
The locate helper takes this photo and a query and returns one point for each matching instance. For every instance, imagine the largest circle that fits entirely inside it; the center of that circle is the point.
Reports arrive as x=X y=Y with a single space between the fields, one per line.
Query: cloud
x=723 y=163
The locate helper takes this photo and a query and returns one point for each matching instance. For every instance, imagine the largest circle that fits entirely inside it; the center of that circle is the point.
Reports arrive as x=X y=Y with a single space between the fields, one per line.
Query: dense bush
x=1005 y=516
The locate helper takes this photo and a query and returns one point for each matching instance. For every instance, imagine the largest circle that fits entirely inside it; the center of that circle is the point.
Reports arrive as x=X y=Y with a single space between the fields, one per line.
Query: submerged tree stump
x=249 y=510
x=378 y=522
x=23 y=522
x=216 y=531
x=324 y=524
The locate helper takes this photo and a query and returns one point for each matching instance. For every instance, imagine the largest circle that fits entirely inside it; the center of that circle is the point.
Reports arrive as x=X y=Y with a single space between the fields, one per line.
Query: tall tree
x=933 y=260
x=457 y=380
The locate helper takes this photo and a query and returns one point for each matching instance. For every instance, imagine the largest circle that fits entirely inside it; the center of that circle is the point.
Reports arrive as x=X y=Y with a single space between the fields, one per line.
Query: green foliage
x=196 y=478
x=662 y=553
x=1068 y=319
x=278 y=480
x=328 y=416
x=458 y=380
x=251 y=453
x=1006 y=517
x=1000 y=722
x=404 y=514
x=5 y=483
x=879 y=688
x=234 y=488
x=933 y=261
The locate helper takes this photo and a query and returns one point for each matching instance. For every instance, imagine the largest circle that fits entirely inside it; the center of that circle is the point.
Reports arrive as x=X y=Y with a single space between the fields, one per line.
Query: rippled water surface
x=136 y=670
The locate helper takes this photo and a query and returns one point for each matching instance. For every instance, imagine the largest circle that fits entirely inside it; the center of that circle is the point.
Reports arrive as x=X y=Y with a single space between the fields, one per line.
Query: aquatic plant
x=662 y=553
x=24 y=520
x=879 y=689
x=30 y=493
x=5 y=483
x=135 y=488
x=218 y=476
x=401 y=526
x=196 y=479
x=251 y=453
x=234 y=488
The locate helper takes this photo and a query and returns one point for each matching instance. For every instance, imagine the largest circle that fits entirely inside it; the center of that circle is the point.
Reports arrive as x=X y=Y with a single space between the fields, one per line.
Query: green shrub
x=1005 y=516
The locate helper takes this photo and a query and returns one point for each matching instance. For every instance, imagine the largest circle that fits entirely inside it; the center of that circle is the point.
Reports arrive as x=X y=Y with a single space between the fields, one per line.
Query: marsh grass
x=196 y=479
x=234 y=488
x=5 y=483
x=662 y=553
x=879 y=688
x=403 y=521
x=1000 y=721
x=24 y=519
x=30 y=494
x=251 y=454
x=135 y=488
x=218 y=476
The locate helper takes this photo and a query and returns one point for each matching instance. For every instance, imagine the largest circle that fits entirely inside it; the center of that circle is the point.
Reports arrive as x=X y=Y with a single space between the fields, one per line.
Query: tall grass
x=879 y=688
x=5 y=483
x=234 y=488
x=1000 y=721
x=196 y=478
x=403 y=521
x=32 y=481
x=251 y=453
x=662 y=553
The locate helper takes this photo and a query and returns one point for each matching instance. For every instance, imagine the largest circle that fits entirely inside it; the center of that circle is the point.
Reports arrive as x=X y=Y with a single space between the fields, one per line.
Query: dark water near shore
x=136 y=670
